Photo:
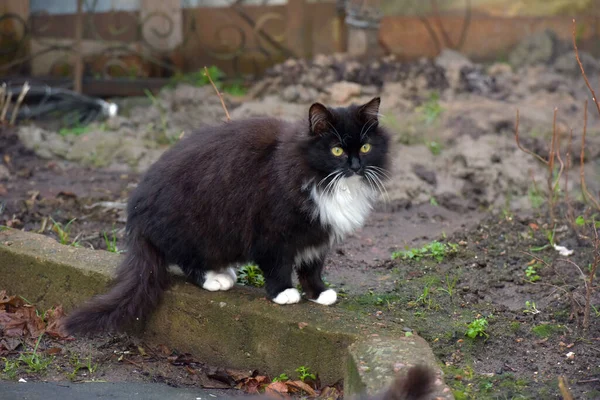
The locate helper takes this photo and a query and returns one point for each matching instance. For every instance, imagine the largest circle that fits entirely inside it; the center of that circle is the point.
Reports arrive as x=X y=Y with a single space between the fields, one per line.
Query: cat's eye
x=337 y=151
x=365 y=148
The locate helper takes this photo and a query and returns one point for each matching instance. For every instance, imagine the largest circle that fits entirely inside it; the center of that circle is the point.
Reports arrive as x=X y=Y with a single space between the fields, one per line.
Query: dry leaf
x=299 y=385
x=330 y=393
x=302 y=325
x=276 y=388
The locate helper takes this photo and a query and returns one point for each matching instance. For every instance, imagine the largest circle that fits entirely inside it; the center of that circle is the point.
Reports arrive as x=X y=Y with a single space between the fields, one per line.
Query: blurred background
x=148 y=41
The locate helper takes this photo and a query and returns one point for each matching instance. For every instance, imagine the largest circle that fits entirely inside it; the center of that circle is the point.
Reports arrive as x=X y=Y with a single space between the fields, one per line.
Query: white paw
x=326 y=298
x=288 y=296
x=215 y=281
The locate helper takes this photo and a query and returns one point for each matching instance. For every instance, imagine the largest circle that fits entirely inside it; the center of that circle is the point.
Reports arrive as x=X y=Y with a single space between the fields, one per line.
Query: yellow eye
x=337 y=151
x=365 y=148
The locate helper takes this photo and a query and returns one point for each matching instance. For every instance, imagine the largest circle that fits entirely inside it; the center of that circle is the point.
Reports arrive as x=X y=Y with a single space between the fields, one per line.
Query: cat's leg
x=211 y=280
x=278 y=279
x=309 y=275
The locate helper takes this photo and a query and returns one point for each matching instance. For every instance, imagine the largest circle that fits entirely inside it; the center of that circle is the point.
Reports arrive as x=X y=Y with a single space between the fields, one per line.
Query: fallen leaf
x=299 y=385
x=164 y=350
x=54 y=318
x=9 y=344
x=302 y=325
x=277 y=388
x=190 y=370
x=142 y=351
x=3 y=190
x=534 y=226
x=238 y=375
x=252 y=385
x=53 y=350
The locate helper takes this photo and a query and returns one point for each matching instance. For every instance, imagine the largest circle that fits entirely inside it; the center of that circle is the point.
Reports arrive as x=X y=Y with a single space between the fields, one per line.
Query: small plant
x=435 y=147
x=530 y=308
x=431 y=109
x=477 y=328
x=536 y=199
x=87 y=364
x=435 y=250
x=251 y=275
x=35 y=363
x=111 y=244
x=531 y=273
x=281 y=378
x=10 y=368
x=76 y=130
x=63 y=232
x=304 y=373
x=550 y=237
x=450 y=285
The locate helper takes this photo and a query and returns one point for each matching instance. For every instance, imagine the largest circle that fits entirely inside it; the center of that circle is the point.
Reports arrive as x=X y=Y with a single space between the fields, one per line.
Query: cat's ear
x=319 y=118
x=370 y=110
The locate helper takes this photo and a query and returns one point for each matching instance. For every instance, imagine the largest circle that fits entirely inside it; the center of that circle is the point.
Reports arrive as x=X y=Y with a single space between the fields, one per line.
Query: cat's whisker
x=332 y=184
x=324 y=179
x=380 y=170
x=379 y=183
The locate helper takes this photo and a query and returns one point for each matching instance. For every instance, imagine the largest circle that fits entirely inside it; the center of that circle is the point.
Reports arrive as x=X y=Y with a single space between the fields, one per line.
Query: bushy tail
x=416 y=385
x=140 y=282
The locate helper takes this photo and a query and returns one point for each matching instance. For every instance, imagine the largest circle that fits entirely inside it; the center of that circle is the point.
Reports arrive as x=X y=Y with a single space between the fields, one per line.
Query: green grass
x=435 y=250
x=78 y=365
x=64 y=232
x=33 y=362
x=76 y=130
x=546 y=330
x=199 y=79
x=111 y=244
x=251 y=275
x=431 y=109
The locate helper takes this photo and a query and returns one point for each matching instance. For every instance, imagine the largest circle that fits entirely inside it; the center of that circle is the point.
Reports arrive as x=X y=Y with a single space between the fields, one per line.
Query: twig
x=586 y=194
x=590 y=284
x=587 y=82
x=2 y=92
x=465 y=27
x=570 y=214
x=20 y=99
x=564 y=391
x=5 y=108
x=218 y=93
x=589 y=380
x=523 y=148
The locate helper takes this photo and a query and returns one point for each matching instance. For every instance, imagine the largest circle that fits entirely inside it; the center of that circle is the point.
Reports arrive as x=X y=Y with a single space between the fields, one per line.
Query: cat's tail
x=417 y=384
x=140 y=281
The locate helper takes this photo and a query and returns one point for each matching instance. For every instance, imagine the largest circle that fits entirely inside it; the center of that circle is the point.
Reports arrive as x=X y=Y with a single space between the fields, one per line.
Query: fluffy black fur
x=232 y=194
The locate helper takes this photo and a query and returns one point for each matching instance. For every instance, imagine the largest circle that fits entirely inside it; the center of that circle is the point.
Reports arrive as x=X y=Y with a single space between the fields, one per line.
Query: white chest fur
x=346 y=207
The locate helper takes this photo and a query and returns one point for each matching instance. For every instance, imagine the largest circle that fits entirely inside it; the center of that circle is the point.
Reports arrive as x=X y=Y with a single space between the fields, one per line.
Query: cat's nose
x=355 y=165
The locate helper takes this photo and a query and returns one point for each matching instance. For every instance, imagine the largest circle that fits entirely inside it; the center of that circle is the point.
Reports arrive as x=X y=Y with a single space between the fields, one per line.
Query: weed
x=433 y=201
x=515 y=326
x=304 y=373
x=477 y=328
x=10 y=368
x=64 y=232
x=530 y=308
x=199 y=79
x=111 y=244
x=550 y=237
x=435 y=147
x=76 y=130
x=164 y=124
x=251 y=275
x=546 y=330
x=87 y=364
x=431 y=109
x=535 y=197
x=450 y=285
x=435 y=250
x=531 y=273
x=281 y=378
x=35 y=363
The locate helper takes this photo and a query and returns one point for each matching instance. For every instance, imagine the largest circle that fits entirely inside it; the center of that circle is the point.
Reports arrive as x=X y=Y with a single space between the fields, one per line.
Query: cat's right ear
x=319 y=118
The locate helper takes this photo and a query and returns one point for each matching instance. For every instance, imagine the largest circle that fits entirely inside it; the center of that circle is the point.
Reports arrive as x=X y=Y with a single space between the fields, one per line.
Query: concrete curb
x=239 y=328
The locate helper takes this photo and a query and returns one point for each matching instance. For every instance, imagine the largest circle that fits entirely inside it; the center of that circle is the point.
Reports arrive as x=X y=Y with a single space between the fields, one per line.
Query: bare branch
x=218 y=93
x=587 y=82
x=519 y=143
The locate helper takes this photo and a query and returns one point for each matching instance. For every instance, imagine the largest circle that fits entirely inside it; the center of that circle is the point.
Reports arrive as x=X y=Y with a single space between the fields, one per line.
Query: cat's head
x=348 y=141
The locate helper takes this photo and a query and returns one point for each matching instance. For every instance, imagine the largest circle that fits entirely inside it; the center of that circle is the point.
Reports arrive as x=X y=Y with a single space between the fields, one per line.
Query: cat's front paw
x=214 y=281
x=288 y=296
x=326 y=298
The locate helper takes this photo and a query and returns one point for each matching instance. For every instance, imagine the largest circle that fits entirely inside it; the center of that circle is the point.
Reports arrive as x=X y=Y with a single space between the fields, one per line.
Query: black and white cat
x=260 y=190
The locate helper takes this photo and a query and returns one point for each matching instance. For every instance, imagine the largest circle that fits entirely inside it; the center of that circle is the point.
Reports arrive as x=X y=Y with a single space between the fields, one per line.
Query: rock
x=425 y=174
x=44 y=143
x=341 y=92
x=538 y=48
x=290 y=93
x=499 y=69
x=567 y=64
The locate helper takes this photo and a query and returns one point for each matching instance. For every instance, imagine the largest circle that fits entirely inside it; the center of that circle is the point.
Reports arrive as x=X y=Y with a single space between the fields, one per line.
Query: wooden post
x=78 y=49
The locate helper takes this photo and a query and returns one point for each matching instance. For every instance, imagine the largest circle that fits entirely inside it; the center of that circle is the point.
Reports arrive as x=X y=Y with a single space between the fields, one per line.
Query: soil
x=459 y=179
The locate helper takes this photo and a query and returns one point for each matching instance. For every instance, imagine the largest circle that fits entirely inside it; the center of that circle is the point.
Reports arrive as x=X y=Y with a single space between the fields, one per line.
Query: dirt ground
x=459 y=179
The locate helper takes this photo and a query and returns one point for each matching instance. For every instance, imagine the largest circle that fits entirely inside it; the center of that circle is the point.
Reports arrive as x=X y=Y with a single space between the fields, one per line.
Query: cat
x=276 y=193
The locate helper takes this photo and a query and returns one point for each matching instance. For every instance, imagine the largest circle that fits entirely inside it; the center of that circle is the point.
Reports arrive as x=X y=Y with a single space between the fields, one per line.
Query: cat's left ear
x=370 y=110
x=319 y=118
